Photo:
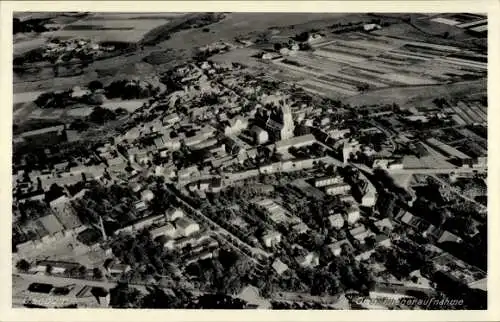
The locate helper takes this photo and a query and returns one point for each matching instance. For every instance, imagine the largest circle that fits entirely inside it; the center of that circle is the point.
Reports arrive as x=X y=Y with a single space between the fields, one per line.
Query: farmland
x=114 y=27
x=342 y=66
x=177 y=47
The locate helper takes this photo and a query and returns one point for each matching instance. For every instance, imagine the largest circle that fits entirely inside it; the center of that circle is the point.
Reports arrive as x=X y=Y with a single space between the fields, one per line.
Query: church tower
x=287 y=121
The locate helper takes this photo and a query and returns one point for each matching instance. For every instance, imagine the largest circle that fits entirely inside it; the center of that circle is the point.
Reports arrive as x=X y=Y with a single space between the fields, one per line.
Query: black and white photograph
x=250 y=160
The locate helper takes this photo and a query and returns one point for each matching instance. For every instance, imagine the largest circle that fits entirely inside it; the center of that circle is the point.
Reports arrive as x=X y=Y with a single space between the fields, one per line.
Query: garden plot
x=315 y=63
x=349 y=50
x=338 y=57
x=408 y=79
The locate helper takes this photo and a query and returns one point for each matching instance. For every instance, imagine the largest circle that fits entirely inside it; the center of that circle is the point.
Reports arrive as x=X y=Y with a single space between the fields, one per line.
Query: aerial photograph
x=250 y=160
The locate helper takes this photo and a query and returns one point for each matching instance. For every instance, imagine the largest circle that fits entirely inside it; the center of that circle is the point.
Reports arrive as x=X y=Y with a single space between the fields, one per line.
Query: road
x=429 y=171
x=283 y=296
x=60 y=280
x=339 y=302
x=436 y=171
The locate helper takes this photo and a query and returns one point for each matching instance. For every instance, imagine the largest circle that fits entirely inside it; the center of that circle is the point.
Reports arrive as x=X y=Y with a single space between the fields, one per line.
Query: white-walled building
x=353 y=215
x=173 y=214
x=309 y=260
x=147 y=195
x=186 y=226
x=165 y=230
x=260 y=135
x=271 y=238
x=336 y=221
x=327 y=181
x=337 y=189
x=279 y=267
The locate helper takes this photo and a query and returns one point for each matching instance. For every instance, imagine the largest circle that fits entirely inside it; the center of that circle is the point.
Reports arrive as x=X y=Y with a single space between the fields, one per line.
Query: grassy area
x=411 y=95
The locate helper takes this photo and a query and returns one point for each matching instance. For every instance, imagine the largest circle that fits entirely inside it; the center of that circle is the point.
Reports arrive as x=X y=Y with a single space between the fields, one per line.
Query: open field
x=26 y=97
x=123 y=30
x=130 y=105
x=25 y=44
x=340 y=65
x=417 y=94
x=348 y=64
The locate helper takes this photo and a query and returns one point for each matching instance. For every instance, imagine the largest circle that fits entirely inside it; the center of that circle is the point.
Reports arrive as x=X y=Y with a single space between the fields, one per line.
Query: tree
x=23 y=265
x=123 y=296
x=82 y=270
x=97 y=273
x=101 y=115
x=95 y=85
x=48 y=269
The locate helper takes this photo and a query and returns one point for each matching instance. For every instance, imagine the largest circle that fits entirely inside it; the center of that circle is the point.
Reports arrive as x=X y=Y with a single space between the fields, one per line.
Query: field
x=130 y=106
x=23 y=44
x=412 y=95
x=110 y=30
x=180 y=45
x=341 y=65
x=348 y=65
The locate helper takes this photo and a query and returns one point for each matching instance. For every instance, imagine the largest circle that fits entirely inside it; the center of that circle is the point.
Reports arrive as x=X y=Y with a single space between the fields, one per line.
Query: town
x=227 y=182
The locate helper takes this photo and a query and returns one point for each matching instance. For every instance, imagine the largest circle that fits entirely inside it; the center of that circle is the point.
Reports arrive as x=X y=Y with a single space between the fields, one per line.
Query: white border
x=9 y=314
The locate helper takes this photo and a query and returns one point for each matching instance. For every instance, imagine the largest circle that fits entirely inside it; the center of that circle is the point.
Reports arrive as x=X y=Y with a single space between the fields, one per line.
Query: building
x=55 y=267
x=353 y=215
x=259 y=134
x=269 y=56
x=282 y=130
x=186 y=226
x=140 y=206
x=279 y=266
x=165 y=230
x=188 y=172
x=326 y=181
x=446 y=236
x=147 y=195
x=338 y=189
x=360 y=233
x=298 y=141
x=371 y=27
x=136 y=187
x=142 y=223
x=337 y=247
x=236 y=125
x=117 y=269
x=383 y=240
x=384 y=225
x=350 y=148
x=369 y=199
x=338 y=134
x=271 y=238
x=336 y=221
x=309 y=260
x=171 y=119
x=173 y=214
x=314 y=37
